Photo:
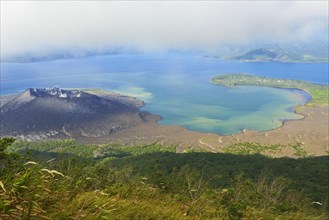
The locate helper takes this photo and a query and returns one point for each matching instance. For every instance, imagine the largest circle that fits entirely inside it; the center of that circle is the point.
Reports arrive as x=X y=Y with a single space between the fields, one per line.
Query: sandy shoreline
x=311 y=132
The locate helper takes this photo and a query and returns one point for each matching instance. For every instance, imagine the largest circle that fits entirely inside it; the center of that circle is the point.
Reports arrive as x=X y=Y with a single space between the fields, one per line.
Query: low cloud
x=41 y=26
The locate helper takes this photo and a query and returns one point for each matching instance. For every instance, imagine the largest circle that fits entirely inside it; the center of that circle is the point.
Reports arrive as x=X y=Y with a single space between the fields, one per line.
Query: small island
x=318 y=92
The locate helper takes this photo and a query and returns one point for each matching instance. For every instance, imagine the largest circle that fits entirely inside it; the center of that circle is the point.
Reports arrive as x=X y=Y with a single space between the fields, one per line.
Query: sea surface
x=177 y=87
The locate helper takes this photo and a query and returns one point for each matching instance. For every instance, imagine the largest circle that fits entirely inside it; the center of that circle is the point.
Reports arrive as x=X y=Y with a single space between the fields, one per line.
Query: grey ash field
x=57 y=113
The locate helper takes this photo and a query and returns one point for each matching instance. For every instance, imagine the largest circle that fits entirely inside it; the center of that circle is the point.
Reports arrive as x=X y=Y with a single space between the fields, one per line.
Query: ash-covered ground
x=53 y=112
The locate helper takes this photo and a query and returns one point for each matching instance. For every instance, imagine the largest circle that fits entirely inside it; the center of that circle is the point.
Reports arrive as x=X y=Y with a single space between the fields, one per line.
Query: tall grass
x=72 y=187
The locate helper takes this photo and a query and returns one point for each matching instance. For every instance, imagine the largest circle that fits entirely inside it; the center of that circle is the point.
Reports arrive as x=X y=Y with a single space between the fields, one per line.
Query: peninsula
x=318 y=92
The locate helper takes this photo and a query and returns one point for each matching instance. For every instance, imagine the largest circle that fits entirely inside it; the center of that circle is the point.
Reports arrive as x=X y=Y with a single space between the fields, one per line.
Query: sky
x=43 y=26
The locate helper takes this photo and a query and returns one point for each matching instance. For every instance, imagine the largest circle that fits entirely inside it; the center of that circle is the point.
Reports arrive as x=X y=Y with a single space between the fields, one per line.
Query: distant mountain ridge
x=275 y=55
x=63 y=54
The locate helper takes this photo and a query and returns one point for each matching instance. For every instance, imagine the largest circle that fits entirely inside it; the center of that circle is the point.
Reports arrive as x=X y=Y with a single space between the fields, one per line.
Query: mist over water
x=177 y=87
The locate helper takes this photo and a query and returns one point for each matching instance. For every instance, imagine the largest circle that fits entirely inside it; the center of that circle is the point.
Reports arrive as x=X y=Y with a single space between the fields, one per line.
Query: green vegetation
x=319 y=93
x=69 y=146
x=143 y=183
x=245 y=148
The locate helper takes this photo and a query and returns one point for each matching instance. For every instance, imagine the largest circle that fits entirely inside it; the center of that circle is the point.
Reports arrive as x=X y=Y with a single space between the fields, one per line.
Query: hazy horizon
x=47 y=26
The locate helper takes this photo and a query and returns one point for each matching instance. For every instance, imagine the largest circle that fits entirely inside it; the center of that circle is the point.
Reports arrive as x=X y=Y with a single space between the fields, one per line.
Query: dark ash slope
x=53 y=112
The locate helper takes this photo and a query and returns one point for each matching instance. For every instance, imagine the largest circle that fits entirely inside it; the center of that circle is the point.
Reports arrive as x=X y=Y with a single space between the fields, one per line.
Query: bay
x=177 y=87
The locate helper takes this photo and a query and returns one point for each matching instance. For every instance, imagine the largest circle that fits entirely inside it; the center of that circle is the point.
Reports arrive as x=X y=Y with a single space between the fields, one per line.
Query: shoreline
x=308 y=98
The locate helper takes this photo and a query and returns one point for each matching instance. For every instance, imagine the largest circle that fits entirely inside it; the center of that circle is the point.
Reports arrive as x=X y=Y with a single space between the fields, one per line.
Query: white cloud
x=39 y=26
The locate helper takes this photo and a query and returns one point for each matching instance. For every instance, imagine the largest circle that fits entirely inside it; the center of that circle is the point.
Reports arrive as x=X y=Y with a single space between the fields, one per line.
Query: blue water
x=177 y=87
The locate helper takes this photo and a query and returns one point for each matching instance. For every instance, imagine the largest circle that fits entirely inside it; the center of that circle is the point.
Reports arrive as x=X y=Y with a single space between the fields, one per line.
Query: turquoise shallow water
x=177 y=87
x=228 y=111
